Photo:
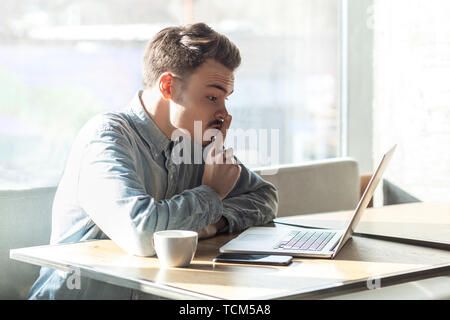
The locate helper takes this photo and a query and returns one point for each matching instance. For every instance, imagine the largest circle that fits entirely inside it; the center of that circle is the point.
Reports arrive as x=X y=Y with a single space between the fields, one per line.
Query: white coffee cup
x=175 y=248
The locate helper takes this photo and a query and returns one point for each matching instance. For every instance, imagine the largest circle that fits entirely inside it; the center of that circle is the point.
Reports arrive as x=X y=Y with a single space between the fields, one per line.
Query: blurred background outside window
x=62 y=62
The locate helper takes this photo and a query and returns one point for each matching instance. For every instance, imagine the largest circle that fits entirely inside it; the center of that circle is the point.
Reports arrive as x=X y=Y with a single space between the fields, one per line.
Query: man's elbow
x=271 y=201
x=138 y=244
x=268 y=203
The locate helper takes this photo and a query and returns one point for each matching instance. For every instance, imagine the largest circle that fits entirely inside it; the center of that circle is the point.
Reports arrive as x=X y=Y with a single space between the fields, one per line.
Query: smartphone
x=253 y=259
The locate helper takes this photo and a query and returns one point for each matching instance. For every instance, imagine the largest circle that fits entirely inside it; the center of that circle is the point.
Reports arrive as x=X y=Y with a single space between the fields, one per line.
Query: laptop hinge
x=335 y=245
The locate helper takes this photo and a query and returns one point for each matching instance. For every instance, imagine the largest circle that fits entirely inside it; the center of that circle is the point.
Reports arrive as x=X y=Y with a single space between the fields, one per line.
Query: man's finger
x=219 y=158
x=229 y=156
x=210 y=152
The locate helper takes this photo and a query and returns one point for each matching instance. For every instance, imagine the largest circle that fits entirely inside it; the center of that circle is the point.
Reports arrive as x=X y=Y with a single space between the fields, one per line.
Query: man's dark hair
x=183 y=49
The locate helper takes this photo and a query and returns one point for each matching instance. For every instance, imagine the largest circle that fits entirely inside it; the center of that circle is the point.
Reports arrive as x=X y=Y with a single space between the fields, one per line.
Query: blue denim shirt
x=120 y=183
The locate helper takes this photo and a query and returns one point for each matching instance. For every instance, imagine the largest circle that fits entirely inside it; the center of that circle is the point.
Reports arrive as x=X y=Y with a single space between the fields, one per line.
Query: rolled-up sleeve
x=252 y=202
x=111 y=192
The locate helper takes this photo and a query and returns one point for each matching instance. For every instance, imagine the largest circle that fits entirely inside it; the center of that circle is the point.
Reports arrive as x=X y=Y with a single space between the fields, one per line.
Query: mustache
x=216 y=122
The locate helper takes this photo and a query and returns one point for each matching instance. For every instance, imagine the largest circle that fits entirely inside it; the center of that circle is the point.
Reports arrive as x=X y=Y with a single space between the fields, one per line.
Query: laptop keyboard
x=305 y=240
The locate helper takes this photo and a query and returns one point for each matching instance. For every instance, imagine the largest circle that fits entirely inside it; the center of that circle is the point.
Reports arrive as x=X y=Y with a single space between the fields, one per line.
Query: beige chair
x=25 y=222
x=317 y=186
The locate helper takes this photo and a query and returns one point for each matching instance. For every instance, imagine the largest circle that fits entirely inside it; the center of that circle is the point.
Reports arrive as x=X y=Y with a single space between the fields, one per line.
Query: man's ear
x=165 y=83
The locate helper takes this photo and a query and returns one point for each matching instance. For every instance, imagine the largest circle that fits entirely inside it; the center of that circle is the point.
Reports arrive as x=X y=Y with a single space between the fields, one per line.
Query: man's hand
x=221 y=169
x=212 y=229
x=221 y=175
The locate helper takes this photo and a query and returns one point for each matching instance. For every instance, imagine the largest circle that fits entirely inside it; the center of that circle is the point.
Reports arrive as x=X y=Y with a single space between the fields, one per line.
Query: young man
x=121 y=181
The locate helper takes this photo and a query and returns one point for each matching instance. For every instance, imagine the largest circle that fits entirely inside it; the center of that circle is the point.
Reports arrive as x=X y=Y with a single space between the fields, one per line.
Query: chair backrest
x=317 y=186
x=25 y=221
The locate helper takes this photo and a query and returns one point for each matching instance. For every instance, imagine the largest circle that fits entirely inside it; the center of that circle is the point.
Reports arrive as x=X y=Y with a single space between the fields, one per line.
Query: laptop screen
x=365 y=199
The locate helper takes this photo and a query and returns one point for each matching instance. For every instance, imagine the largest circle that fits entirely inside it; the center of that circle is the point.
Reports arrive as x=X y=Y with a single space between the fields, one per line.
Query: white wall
x=411 y=93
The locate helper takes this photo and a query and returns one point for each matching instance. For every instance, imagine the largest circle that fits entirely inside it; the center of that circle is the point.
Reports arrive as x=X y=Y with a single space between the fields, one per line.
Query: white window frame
x=356 y=83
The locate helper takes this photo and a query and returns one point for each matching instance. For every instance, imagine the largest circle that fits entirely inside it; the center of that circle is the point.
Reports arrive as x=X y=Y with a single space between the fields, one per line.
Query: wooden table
x=362 y=261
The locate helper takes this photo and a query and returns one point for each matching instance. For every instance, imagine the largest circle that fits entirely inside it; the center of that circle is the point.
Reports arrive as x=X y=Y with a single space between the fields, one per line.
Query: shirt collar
x=154 y=137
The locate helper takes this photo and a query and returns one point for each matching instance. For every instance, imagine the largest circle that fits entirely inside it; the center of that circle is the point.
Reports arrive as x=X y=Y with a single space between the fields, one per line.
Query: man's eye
x=212 y=98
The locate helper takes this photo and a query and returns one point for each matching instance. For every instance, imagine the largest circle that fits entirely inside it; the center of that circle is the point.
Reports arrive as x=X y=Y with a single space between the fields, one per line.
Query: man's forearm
x=254 y=208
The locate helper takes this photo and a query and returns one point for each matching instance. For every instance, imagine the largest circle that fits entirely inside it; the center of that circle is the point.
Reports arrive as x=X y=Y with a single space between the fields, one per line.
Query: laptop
x=305 y=242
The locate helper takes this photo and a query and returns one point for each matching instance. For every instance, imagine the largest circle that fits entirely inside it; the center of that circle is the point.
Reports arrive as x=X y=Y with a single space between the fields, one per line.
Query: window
x=63 y=62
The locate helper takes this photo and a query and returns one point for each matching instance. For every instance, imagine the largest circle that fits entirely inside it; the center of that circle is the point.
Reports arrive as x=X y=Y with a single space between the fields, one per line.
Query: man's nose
x=222 y=113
